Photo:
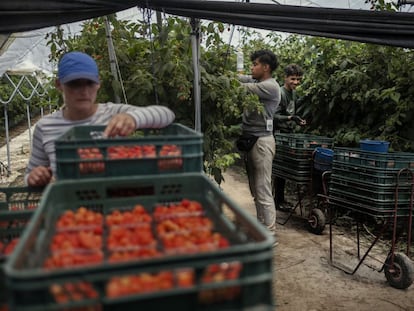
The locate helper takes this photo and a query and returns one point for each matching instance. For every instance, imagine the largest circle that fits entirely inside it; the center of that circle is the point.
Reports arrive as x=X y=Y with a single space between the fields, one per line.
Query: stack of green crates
x=119 y=185
x=293 y=157
x=17 y=205
x=366 y=182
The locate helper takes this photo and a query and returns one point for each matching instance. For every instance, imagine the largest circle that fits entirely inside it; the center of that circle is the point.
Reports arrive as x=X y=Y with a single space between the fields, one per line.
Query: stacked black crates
x=372 y=183
x=293 y=157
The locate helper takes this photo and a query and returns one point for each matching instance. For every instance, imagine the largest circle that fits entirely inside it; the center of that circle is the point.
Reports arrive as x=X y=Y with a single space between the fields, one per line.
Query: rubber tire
x=403 y=277
x=316 y=221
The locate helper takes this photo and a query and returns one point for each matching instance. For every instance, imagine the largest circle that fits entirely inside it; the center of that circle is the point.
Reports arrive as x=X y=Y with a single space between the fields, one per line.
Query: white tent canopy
x=29 y=50
x=26 y=50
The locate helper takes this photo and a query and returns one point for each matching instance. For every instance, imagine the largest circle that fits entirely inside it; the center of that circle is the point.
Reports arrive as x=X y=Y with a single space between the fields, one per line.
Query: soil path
x=19 y=150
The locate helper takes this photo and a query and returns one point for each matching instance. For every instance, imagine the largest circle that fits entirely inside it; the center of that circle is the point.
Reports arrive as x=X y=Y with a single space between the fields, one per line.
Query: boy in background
x=286 y=120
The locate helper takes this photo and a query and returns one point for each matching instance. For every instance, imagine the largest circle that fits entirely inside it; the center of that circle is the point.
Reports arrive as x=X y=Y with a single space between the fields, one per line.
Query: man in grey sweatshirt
x=260 y=124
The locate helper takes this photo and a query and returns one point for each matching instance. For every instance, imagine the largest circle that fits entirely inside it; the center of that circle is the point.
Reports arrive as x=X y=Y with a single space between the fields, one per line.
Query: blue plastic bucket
x=323 y=159
x=374 y=145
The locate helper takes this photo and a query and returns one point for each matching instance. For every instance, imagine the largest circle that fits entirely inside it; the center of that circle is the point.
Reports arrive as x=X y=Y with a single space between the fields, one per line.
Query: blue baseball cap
x=77 y=65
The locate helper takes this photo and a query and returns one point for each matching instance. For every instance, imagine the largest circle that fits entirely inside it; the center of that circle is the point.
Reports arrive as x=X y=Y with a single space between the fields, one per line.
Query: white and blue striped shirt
x=52 y=126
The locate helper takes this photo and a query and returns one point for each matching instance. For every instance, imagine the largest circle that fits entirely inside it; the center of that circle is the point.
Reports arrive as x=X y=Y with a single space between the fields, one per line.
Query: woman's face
x=79 y=94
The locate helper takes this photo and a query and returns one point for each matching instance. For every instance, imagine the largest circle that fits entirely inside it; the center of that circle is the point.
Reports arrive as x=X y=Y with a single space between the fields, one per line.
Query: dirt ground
x=304 y=279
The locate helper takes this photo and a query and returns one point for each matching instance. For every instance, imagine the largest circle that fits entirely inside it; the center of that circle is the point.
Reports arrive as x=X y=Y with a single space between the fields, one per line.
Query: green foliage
x=350 y=90
x=382 y=5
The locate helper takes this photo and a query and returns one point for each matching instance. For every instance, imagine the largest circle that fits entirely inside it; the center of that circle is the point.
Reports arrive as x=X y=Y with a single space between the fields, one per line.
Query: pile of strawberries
x=93 y=160
x=86 y=237
x=146 y=282
x=7 y=246
x=149 y=282
x=74 y=291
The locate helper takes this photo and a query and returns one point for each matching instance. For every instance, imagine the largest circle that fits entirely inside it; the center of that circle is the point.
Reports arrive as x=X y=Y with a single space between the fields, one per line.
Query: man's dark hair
x=265 y=57
x=293 y=70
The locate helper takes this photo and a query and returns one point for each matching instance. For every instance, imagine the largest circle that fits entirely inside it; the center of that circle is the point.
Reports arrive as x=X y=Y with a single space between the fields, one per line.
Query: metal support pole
x=6 y=127
x=29 y=123
x=195 y=47
x=17 y=91
x=111 y=52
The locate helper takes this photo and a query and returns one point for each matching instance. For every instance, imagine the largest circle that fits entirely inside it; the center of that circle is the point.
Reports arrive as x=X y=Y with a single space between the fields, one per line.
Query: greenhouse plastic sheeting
x=380 y=27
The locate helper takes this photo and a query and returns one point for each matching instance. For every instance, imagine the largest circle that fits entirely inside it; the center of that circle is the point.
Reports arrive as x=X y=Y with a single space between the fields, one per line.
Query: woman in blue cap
x=78 y=81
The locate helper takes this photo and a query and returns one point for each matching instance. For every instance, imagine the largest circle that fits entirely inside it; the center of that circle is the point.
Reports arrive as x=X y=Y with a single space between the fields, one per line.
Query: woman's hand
x=39 y=176
x=121 y=124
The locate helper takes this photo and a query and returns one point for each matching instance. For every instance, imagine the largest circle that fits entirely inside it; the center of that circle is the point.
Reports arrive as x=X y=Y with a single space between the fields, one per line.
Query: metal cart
x=293 y=161
x=376 y=186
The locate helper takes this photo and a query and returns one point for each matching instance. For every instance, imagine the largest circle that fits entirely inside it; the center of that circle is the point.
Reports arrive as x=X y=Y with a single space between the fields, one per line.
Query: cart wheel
x=316 y=221
x=401 y=274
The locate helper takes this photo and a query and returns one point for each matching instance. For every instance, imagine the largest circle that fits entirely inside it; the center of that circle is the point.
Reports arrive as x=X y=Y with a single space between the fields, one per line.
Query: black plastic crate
x=83 y=152
x=250 y=247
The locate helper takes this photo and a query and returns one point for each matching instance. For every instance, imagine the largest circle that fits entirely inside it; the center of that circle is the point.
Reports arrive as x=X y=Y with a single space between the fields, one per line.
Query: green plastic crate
x=293 y=163
x=70 y=165
x=293 y=156
x=16 y=208
x=367 y=181
x=297 y=167
x=304 y=141
x=373 y=175
x=300 y=177
x=250 y=245
x=12 y=225
x=380 y=197
x=19 y=198
x=393 y=161
x=386 y=212
x=297 y=153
